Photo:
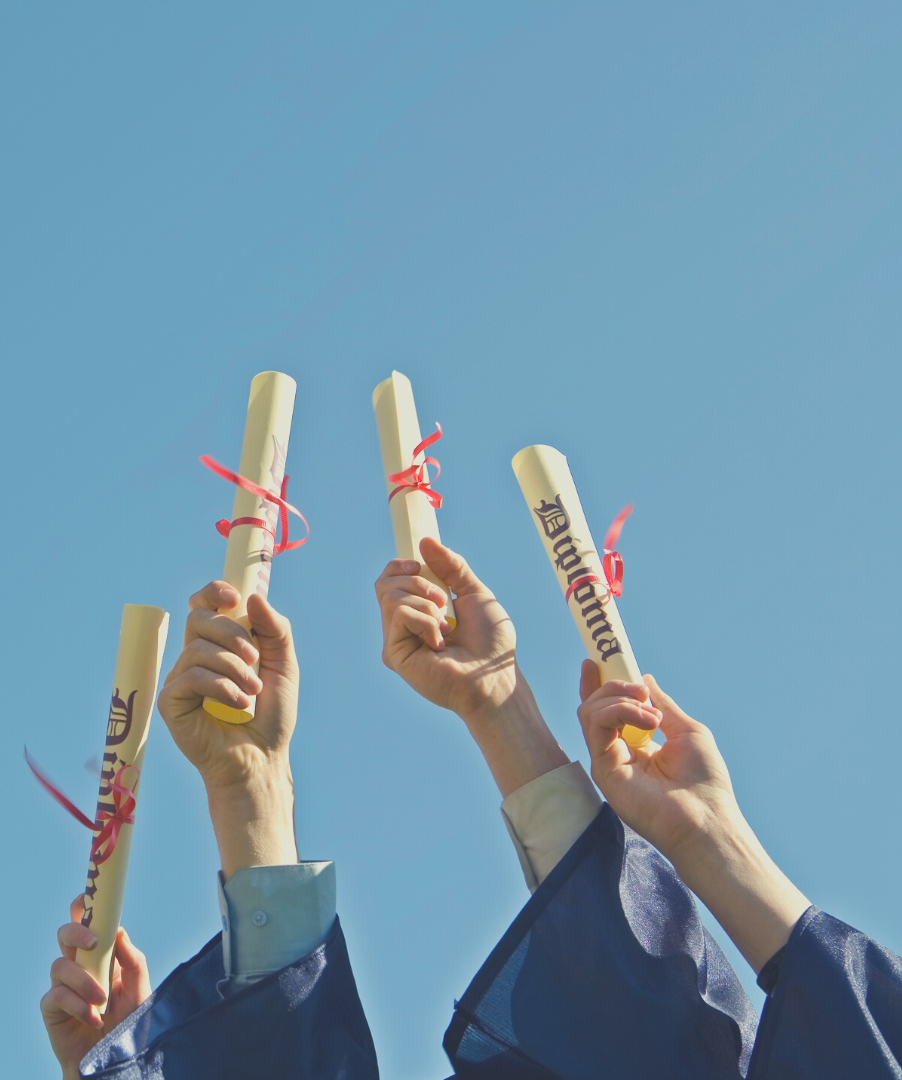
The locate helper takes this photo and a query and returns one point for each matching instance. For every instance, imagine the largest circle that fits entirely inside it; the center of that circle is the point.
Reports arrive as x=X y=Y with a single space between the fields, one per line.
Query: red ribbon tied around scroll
x=224 y=527
x=611 y=562
x=414 y=477
x=109 y=823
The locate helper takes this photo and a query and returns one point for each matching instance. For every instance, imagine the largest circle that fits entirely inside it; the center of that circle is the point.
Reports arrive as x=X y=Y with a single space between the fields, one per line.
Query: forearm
x=742 y=887
x=254 y=822
x=514 y=739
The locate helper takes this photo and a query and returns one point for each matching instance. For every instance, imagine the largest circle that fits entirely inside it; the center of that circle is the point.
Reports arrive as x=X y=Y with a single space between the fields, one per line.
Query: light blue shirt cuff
x=273 y=916
x=546 y=816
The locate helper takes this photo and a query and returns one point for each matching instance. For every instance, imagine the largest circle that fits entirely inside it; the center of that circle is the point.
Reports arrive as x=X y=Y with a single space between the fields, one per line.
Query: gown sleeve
x=834 y=1009
x=304 y=1022
x=607 y=972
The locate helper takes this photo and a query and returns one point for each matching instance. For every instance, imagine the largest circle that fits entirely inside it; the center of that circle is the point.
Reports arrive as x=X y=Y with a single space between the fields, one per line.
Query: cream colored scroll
x=547 y=486
x=412 y=515
x=249 y=551
x=142 y=638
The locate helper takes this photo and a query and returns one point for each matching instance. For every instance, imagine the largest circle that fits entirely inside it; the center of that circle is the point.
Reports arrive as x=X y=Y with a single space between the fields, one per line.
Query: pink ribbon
x=611 y=562
x=108 y=825
x=414 y=477
x=224 y=527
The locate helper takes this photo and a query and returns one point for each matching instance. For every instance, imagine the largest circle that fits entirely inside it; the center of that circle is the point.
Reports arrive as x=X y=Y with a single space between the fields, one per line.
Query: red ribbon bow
x=414 y=477
x=224 y=527
x=108 y=825
x=611 y=562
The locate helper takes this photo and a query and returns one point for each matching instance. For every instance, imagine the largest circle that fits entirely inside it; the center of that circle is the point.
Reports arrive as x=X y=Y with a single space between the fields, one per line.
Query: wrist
x=254 y=821
x=506 y=700
x=730 y=872
x=514 y=738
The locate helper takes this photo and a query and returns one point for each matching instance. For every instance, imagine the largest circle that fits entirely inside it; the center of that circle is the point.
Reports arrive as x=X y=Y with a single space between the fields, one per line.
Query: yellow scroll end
x=632 y=736
x=227 y=714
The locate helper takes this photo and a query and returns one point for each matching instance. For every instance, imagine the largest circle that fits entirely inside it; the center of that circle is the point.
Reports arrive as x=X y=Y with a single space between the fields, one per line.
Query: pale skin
x=677 y=795
x=471 y=671
x=247 y=776
x=75 y=1009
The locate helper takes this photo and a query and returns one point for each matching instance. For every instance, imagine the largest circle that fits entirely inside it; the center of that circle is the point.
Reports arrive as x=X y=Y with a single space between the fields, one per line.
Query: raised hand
x=71 y=1008
x=679 y=797
x=665 y=792
x=217 y=661
x=245 y=767
x=471 y=669
x=463 y=670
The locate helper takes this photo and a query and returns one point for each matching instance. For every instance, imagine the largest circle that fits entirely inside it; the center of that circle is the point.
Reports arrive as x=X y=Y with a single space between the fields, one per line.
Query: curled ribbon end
x=414 y=476
x=616 y=527
x=52 y=790
x=224 y=527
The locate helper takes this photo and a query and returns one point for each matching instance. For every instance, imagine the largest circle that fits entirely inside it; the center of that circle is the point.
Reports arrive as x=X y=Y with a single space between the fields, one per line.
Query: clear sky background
x=664 y=238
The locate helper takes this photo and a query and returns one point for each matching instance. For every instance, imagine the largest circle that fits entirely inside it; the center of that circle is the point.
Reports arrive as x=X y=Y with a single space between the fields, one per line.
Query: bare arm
x=679 y=797
x=244 y=767
x=471 y=670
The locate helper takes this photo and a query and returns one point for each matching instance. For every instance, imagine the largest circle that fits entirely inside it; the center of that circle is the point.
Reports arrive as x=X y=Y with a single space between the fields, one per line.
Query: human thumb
x=271 y=631
x=450 y=568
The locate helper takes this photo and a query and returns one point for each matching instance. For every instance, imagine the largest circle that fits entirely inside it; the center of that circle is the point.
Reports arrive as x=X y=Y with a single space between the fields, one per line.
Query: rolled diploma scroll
x=547 y=486
x=249 y=548
x=412 y=515
x=142 y=638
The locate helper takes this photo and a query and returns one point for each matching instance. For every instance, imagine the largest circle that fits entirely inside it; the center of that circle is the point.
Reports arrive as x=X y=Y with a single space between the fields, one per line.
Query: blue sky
x=662 y=238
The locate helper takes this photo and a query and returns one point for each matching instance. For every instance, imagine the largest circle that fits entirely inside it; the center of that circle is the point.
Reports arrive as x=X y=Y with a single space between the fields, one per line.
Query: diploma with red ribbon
x=259 y=507
x=589 y=579
x=412 y=500
x=142 y=638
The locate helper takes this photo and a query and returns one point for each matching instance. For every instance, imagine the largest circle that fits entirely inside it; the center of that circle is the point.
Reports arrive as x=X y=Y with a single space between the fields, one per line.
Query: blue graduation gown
x=305 y=1021
x=607 y=972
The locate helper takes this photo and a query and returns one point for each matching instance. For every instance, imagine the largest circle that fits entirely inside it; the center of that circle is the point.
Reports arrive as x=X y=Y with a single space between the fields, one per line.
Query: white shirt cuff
x=273 y=916
x=546 y=816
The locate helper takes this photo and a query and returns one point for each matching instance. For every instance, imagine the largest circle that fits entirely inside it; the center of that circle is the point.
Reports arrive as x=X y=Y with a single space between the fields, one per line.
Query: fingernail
x=444 y=626
x=409 y=566
x=229 y=596
x=90 y=940
x=440 y=646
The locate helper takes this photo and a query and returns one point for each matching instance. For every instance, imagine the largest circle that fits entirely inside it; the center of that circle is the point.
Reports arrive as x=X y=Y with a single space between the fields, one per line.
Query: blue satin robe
x=606 y=973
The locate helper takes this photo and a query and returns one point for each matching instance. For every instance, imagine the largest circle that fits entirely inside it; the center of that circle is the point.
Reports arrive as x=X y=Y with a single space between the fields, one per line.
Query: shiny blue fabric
x=607 y=972
x=835 y=1012
x=302 y=1023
